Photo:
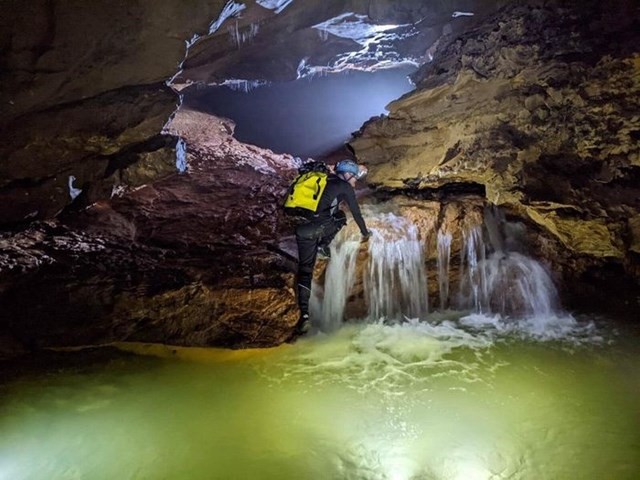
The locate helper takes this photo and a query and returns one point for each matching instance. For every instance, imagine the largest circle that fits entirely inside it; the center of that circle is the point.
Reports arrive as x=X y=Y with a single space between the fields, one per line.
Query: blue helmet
x=347 y=166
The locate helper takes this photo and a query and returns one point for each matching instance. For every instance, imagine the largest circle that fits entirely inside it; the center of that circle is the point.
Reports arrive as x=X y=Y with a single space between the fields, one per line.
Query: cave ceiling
x=262 y=41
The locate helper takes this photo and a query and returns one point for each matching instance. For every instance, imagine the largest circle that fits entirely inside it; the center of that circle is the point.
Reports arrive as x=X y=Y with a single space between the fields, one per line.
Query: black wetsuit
x=321 y=229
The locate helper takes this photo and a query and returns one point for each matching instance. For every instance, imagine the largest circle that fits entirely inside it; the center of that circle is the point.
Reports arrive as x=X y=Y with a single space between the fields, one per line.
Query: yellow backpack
x=306 y=190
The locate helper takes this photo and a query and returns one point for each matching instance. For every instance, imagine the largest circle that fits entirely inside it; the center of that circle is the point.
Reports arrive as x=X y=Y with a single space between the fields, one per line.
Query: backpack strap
x=318 y=188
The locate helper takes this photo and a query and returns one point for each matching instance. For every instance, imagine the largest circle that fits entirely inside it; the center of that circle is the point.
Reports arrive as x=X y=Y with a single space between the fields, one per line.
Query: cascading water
x=396 y=281
x=472 y=293
x=494 y=278
x=444 y=257
x=340 y=277
x=394 y=277
x=502 y=282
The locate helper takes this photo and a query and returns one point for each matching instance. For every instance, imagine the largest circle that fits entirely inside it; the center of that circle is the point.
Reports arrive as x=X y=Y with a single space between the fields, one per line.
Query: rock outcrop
x=539 y=106
x=192 y=259
x=83 y=93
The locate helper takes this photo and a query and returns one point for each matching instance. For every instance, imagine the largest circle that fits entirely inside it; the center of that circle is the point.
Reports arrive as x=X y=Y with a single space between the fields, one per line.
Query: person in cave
x=315 y=235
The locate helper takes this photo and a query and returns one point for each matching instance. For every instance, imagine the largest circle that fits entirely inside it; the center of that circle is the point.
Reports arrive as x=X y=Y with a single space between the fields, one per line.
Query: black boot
x=303 y=325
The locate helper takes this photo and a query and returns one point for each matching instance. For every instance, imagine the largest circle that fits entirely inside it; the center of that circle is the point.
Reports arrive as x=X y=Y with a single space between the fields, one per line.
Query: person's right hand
x=365 y=237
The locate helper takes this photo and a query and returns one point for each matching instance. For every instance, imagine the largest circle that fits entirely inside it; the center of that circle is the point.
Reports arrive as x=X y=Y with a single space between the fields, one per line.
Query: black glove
x=365 y=237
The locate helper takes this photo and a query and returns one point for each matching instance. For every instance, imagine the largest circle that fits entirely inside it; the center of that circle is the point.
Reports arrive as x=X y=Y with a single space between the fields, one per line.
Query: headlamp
x=362 y=171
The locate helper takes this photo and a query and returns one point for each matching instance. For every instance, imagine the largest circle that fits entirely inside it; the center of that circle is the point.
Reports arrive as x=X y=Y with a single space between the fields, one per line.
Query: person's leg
x=330 y=230
x=307 y=249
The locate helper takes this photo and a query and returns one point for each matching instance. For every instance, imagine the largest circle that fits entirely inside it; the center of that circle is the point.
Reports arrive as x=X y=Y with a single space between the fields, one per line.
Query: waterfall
x=444 y=256
x=497 y=279
x=396 y=284
x=339 y=279
x=473 y=294
x=517 y=284
x=390 y=282
x=393 y=278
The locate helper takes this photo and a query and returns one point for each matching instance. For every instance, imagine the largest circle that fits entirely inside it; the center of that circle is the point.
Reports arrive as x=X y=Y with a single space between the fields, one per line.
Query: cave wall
x=83 y=91
x=143 y=252
x=84 y=86
x=284 y=40
x=539 y=105
x=188 y=259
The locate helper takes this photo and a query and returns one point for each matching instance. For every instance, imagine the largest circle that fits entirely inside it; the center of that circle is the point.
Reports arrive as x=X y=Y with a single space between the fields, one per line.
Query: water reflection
x=414 y=401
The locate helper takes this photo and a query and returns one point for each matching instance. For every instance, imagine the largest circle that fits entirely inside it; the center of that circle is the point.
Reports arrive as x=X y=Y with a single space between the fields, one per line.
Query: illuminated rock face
x=540 y=106
x=85 y=103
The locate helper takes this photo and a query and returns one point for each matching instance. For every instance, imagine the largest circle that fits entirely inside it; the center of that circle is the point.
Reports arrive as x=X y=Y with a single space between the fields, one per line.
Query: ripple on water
x=390 y=357
x=458 y=398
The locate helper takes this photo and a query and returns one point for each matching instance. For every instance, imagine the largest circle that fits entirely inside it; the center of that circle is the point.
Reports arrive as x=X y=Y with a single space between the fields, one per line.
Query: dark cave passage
x=307 y=117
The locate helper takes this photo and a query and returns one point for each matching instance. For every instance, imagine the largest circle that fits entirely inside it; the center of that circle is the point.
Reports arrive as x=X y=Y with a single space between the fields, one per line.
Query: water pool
x=470 y=398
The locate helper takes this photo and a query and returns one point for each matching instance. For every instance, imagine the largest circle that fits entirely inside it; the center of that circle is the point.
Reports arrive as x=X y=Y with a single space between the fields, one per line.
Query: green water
x=368 y=402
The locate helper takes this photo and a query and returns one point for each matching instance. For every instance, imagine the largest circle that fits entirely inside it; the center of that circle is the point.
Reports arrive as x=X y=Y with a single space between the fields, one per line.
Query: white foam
x=385 y=357
x=561 y=327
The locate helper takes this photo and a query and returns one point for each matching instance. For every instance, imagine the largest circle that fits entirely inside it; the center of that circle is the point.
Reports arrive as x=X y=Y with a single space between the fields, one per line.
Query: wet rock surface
x=539 y=105
x=192 y=259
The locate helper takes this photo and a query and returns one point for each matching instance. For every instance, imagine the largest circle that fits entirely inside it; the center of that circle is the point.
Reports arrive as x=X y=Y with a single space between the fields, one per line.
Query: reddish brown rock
x=193 y=259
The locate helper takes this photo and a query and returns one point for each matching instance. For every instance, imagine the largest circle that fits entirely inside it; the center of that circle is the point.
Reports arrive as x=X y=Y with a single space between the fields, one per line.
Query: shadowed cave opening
x=309 y=117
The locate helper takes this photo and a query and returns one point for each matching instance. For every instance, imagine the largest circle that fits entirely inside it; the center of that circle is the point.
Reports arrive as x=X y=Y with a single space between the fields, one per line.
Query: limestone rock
x=634 y=227
x=197 y=315
x=10 y=347
x=539 y=105
x=83 y=93
x=57 y=52
x=316 y=37
x=589 y=237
